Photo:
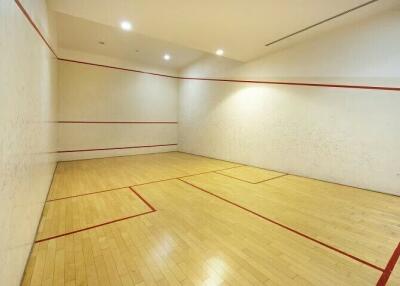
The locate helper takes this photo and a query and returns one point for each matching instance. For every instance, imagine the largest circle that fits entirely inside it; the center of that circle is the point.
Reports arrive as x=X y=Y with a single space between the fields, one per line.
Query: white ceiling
x=79 y=34
x=186 y=27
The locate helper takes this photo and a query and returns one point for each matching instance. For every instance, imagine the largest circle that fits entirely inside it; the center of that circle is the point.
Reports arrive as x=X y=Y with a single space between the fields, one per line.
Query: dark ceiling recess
x=321 y=22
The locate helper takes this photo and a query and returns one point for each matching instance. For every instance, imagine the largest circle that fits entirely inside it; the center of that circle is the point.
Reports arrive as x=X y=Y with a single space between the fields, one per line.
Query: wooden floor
x=180 y=219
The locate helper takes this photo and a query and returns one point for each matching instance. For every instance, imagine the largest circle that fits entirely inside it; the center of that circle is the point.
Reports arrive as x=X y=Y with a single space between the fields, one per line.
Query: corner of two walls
x=342 y=135
x=28 y=133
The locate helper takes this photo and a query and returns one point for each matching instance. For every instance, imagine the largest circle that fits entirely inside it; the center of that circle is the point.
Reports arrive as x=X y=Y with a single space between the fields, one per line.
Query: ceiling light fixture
x=126 y=26
x=219 y=52
x=167 y=57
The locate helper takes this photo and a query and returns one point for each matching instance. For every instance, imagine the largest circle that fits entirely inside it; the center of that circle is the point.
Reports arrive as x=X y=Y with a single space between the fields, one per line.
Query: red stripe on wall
x=387 y=88
x=118 y=68
x=327 y=85
x=28 y=17
x=117 y=122
x=115 y=148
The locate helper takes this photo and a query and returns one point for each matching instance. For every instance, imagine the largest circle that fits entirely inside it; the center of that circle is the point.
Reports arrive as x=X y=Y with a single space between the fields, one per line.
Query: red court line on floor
x=152 y=209
x=254 y=183
x=115 y=122
x=142 y=199
x=141 y=184
x=389 y=267
x=288 y=228
x=86 y=194
x=116 y=148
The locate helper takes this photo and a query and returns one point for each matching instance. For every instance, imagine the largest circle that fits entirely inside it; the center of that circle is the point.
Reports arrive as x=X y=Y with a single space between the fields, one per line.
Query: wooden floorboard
x=87 y=176
x=209 y=229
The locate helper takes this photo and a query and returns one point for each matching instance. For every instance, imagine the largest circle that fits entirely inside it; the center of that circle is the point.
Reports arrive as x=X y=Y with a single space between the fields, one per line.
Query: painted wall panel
x=349 y=136
x=28 y=84
x=88 y=93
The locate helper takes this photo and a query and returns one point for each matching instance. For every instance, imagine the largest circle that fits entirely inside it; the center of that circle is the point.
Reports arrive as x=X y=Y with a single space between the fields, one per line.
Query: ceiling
x=79 y=34
x=189 y=28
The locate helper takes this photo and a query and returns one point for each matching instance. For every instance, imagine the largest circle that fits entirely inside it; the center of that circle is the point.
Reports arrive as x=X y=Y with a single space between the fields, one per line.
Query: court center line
x=288 y=228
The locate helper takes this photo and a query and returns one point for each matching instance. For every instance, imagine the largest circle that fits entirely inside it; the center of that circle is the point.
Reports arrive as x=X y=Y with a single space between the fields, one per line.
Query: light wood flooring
x=180 y=219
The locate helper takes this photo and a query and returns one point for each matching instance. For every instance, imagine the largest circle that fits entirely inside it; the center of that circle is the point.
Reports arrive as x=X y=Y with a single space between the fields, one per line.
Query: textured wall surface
x=349 y=136
x=88 y=93
x=27 y=107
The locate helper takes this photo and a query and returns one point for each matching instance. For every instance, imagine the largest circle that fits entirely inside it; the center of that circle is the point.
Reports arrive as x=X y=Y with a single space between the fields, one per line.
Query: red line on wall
x=28 y=17
x=118 y=68
x=296 y=83
x=287 y=228
x=115 y=148
x=152 y=209
x=117 y=122
x=367 y=87
x=244 y=81
x=389 y=267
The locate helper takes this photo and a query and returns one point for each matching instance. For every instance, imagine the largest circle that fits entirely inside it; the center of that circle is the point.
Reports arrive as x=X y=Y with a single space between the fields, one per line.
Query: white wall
x=27 y=107
x=89 y=93
x=349 y=136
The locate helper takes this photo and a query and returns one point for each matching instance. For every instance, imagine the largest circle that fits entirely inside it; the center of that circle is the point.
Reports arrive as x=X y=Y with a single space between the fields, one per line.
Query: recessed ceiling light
x=126 y=26
x=167 y=57
x=219 y=52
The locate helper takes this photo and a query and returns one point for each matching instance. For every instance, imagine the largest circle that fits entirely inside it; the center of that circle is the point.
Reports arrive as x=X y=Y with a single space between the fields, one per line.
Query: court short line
x=86 y=194
x=289 y=228
x=141 y=184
